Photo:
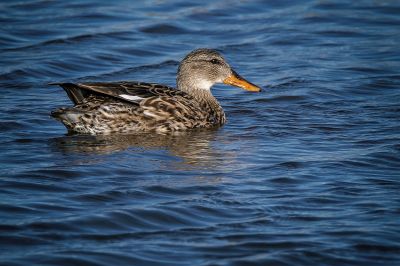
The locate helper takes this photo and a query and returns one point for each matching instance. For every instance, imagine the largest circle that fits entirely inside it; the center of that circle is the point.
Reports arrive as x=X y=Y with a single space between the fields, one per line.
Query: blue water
x=306 y=172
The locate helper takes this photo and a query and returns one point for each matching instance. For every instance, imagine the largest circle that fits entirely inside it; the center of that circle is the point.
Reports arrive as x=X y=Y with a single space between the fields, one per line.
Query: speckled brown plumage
x=128 y=107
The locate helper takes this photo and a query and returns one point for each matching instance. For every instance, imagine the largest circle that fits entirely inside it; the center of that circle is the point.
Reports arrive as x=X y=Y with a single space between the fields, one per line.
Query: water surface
x=305 y=173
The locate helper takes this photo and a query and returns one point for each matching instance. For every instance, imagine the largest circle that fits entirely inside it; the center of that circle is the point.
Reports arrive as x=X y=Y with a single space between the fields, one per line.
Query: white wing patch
x=131 y=97
x=150 y=114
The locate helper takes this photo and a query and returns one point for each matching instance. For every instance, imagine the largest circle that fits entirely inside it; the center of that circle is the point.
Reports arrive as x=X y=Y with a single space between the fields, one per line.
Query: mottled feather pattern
x=141 y=89
x=163 y=109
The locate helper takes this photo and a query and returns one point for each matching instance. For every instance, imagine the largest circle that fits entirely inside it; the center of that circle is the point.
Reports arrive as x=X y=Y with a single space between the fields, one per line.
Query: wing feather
x=133 y=92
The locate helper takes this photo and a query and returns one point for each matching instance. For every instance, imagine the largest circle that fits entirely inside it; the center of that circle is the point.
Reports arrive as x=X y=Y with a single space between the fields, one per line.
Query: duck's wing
x=133 y=92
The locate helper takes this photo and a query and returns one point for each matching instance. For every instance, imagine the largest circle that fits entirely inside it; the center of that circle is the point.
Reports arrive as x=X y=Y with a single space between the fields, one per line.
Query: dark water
x=305 y=173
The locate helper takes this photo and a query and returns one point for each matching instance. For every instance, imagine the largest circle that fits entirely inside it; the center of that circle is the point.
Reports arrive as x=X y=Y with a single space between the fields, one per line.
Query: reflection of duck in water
x=128 y=107
x=191 y=148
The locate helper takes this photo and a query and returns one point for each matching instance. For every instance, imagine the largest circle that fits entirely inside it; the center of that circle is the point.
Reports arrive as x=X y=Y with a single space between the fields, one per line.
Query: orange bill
x=236 y=80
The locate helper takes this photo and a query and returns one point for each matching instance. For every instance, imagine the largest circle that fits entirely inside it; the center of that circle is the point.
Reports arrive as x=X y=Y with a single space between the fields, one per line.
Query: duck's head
x=202 y=68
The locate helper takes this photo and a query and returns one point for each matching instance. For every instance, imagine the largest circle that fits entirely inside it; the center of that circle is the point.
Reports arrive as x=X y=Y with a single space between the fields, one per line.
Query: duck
x=125 y=107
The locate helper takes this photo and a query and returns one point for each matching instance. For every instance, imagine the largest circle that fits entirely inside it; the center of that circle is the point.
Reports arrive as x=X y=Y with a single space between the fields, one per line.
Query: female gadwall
x=129 y=107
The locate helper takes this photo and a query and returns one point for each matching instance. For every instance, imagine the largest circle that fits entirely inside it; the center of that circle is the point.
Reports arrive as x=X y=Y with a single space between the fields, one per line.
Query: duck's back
x=128 y=107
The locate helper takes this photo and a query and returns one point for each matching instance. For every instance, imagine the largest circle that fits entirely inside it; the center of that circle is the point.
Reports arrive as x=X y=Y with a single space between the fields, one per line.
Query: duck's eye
x=215 y=61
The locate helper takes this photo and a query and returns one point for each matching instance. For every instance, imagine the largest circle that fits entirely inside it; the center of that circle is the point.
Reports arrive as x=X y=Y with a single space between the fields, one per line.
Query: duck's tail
x=70 y=117
x=74 y=92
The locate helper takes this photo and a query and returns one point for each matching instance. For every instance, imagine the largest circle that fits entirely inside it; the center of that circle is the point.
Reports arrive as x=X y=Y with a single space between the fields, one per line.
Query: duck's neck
x=206 y=100
x=202 y=95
